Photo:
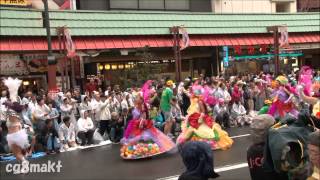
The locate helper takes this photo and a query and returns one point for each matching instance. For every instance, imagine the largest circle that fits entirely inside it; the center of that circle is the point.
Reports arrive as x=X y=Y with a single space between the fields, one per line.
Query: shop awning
x=123 y=42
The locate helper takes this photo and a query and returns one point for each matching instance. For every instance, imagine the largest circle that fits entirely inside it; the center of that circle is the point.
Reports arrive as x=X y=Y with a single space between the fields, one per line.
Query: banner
x=185 y=38
x=71 y=50
x=18 y=3
x=38 y=4
x=284 y=37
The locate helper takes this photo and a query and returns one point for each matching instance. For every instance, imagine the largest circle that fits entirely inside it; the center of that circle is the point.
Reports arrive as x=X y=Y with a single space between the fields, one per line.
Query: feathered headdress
x=14 y=106
x=147 y=91
x=197 y=90
x=13 y=86
x=305 y=78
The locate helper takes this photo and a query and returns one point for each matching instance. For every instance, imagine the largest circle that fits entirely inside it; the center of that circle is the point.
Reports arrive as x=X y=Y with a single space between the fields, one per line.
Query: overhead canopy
x=28 y=22
x=122 y=42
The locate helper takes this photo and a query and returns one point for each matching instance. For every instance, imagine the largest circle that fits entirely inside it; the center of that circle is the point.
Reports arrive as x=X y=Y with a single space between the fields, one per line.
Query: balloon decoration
x=139 y=150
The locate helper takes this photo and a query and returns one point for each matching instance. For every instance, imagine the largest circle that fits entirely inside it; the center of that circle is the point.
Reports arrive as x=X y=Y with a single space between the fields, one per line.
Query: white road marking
x=231 y=167
x=86 y=147
x=219 y=169
x=243 y=135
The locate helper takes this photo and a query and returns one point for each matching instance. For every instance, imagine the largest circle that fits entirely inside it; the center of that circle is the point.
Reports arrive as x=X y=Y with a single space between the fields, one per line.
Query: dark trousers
x=116 y=132
x=86 y=137
x=104 y=126
x=223 y=119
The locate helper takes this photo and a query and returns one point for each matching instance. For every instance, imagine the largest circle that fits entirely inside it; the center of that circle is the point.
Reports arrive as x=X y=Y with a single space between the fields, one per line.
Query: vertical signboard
x=225 y=56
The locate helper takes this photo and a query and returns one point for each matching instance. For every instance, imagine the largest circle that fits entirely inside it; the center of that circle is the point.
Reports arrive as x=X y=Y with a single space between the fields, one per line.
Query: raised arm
x=307 y=99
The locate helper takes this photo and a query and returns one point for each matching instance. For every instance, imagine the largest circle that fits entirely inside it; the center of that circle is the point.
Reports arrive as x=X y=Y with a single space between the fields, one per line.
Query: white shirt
x=40 y=112
x=104 y=111
x=124 y=104
x=95 y=106
x=67 y=133
x=238 y=109
x=32 y=105
x=85 y=124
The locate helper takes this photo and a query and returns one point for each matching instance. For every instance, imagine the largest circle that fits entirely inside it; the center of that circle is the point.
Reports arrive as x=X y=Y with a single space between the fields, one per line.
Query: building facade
x=308 y=5
x=112 y=44
x=254 y=6
x=154 y=5
x=215 y=6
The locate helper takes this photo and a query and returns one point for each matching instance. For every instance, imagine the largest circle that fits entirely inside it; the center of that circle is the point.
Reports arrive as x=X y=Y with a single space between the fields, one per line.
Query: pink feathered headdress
x=305 y=78
x=146 y=91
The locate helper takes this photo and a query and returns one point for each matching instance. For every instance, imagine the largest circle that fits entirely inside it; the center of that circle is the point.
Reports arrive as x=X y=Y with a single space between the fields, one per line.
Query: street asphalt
x=105 y=163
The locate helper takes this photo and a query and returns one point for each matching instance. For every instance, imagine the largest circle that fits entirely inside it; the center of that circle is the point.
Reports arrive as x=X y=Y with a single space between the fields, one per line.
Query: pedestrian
x=85 y=128
x=314 y=153
x=49 y=137
x=104 y=116
x=198 y=160
x=259 y=129
x=116 y=127
x=67 y=134
x=221 y=113
x=165 y=105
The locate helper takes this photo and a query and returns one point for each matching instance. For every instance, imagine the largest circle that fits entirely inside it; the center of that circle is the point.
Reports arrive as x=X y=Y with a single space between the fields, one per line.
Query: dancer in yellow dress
x=199 y=126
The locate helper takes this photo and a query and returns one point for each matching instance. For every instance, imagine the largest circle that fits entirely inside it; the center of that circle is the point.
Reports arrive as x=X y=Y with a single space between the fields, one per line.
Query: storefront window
x=177 y=4
x=123 y=4
x=151 y=4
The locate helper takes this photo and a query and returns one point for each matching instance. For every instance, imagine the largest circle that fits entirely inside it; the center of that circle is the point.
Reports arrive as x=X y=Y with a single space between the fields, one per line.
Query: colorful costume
x=282 y=99
x=201 y=127
x=305 y=79
x=142 y=139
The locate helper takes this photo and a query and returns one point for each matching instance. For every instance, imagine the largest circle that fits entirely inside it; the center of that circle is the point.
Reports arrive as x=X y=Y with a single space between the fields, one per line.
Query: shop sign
x=22 y=3
x=225 y=56
x=12 y=65
x=38 y=4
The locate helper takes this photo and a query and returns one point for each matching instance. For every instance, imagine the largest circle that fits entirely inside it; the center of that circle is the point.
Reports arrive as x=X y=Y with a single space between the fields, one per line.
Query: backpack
x=286 y=145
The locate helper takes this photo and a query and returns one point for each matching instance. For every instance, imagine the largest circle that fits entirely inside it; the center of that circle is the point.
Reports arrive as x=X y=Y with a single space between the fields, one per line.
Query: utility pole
x=51 y=59
x=177 y=53
x=275 y=30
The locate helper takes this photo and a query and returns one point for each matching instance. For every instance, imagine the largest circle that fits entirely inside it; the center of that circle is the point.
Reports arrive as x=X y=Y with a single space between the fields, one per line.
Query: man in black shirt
x=259 y=129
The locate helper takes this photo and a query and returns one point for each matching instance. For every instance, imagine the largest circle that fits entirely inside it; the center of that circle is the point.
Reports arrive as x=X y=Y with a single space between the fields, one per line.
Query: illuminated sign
x=225 y=56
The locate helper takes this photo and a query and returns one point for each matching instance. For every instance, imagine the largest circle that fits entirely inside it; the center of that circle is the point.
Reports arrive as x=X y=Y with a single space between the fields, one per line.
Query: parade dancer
x=17 y=136
x=199 y=126
x=141 y=138
x=282 y=95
